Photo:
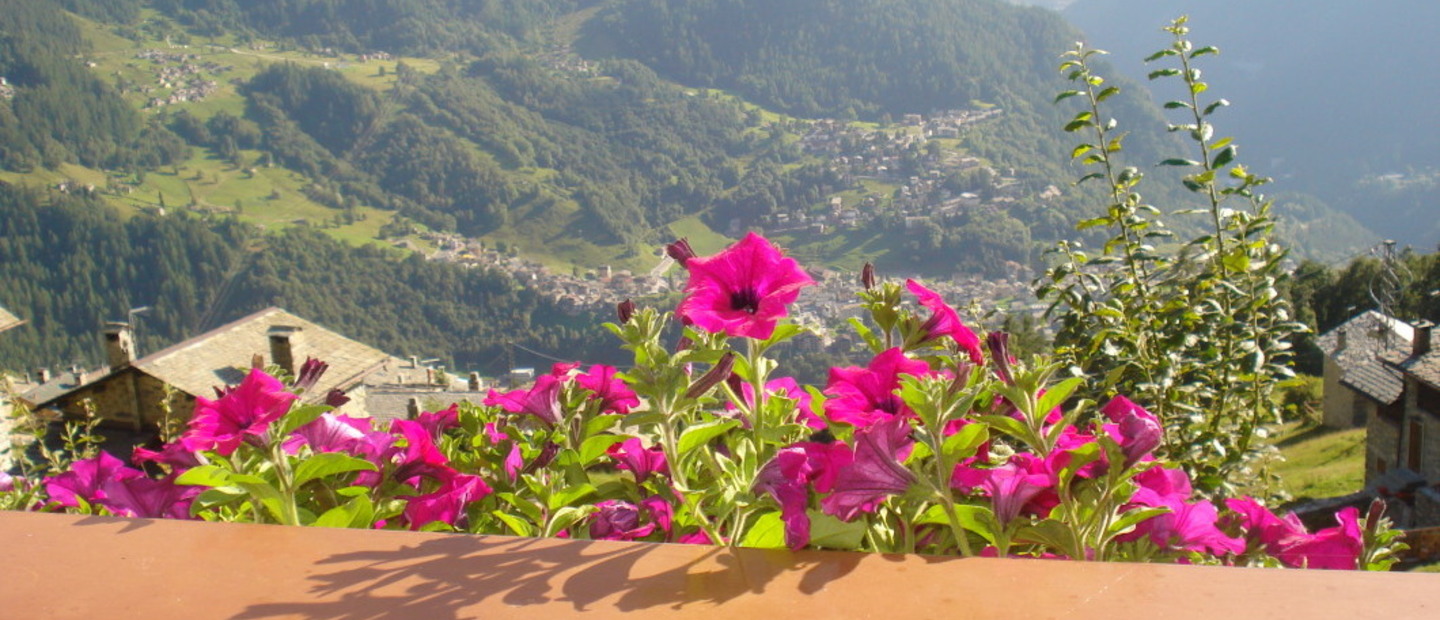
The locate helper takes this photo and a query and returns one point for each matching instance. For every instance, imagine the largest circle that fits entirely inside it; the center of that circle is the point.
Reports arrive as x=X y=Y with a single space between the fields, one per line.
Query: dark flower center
x=745 y=299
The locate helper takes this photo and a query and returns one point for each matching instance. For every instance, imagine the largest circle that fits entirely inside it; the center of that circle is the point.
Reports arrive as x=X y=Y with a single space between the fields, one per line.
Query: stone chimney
x=474 y=382
x=284 y=344
x=42 y=375
x=1421 y=345
x=119 y=344
x=412 y=409
x=1340 y=342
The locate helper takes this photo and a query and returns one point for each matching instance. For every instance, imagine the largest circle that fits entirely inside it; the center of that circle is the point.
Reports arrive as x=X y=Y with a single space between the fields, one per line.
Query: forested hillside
x=72 y=263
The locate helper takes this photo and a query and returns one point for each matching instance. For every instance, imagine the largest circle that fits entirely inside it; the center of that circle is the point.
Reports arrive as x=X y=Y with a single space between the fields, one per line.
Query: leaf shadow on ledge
x=455 y=577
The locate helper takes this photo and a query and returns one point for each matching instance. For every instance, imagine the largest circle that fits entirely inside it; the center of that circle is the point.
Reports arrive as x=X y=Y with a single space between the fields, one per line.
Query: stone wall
x=128 y=398
x=1427 y=508
x=1382 y=435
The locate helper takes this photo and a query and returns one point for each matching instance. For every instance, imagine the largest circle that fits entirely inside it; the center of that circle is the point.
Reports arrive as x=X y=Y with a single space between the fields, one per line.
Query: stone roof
x=222 y=356
x=1370 y=337
x=1425 y=368
x=8 y=320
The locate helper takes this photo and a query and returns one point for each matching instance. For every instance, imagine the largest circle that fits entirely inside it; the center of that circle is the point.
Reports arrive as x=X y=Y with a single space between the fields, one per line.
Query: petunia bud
x=336 y=398
x=680 y=251
x=310 y=373
x=624 y=310
x=999 y=345
x=719 y=372
x=867 y=276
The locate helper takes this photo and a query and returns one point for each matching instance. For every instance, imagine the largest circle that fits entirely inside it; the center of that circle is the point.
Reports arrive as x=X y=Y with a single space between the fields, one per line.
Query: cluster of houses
x=1383 y=374
x=7 y=91
x=183 y=75
x=133 y=396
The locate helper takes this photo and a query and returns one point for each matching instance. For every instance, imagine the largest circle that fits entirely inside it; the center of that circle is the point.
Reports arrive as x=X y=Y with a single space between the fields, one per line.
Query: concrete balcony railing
x=63 y=566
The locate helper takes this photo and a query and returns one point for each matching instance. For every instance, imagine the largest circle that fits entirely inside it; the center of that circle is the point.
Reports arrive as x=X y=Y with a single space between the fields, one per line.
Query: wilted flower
x=999 y=345
x=744 y=290
x=619 y=520
x=867 y=276
x=624 y=310
x=242 y=414
x=713 y=377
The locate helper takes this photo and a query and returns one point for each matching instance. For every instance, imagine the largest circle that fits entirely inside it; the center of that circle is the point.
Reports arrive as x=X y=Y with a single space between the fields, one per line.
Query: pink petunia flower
x=605 y=386
x=1136 y=430
x=144 y=498
x=1011 y=487
x=633 y=456
x=172 y=454
x=437 y=422
x=742 y=291
x=242 y=414
x=1189 y=526
x=447 y=503
x=1287 y=539
x=541 y=400
x=944 y=321
x=621 y=520
x=876 y=472
x=331 y=433
x=86 y=480
x=864 y=396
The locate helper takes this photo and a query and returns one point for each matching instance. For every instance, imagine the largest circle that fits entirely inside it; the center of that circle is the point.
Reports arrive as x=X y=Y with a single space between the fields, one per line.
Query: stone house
x=1358 y=385
x=1403 y=443
x=139 y=393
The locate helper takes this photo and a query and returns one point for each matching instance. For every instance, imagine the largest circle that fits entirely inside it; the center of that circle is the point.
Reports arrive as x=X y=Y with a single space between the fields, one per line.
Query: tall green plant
x=1196 y=326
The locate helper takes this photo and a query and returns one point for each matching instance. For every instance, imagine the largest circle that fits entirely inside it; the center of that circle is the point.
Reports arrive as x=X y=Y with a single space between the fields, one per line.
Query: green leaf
x=1080 y=150
x=1176 y=161
x=1066 y=95
x=701 y=434
x=1133 y=517
x=1209 y=49
x=517 y=525
x=1160 y=54
x=1210 y=109
x=831 y=533
x=963 y=444
x=356 y=513
x=1092 y=175
x=328 y=464
x=1224 y=157
x=1175 y=105
x=1107 y=93
x=570 y=495
x=1058 y=393
x=564 y=518
x=298 y=417
x=219 y=496
x=594 y=447
x=206 y=476
x=1159 y=73
x=978 y=519
x=768 y=532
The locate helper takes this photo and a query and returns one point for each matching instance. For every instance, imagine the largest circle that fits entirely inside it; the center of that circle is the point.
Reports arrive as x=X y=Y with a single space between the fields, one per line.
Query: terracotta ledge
x=63 y=566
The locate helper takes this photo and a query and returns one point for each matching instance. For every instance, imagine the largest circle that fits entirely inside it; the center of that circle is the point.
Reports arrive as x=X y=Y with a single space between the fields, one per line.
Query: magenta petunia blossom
x=437 y=422
x=944 y=321
x=1136 y=430
x=144 y=498
x=876 y=472
x=242 y=414
x=1287 y=539
x=86 y=480
x=419 y=457
x=1011 y=487
x=633 y=456
x=742 y=291
x=786 y=477
x=1189 y=526
x=331 y=433
x=172 y=454
x=605 y=386
x=447 y=504
x=542 y=400
x=863 y=396
x=619 y=520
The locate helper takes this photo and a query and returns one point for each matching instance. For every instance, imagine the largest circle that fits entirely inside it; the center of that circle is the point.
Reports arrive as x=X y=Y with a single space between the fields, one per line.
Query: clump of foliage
x=1196 y=327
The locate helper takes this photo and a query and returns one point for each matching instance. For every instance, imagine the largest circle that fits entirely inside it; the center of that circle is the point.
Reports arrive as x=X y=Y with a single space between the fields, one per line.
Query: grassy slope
x=1321 y=462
